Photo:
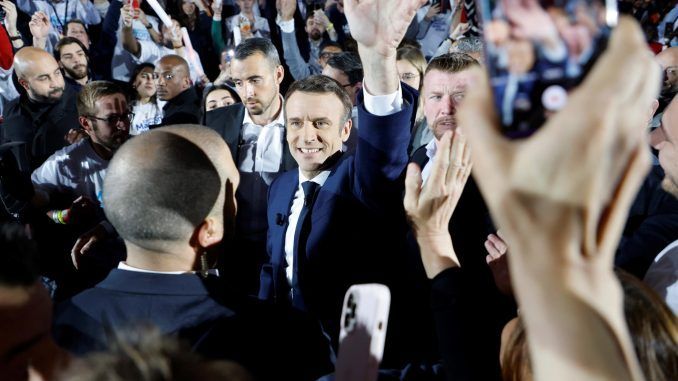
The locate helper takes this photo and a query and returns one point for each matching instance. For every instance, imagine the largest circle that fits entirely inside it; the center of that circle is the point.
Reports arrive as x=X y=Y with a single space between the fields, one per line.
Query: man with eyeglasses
x=69 y=183
x=321 y=48
x=347 y=69
x=173 y=84
x=45 y=110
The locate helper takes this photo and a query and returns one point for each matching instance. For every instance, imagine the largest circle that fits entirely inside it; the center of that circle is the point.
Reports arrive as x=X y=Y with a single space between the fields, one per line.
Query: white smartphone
x=364 y=319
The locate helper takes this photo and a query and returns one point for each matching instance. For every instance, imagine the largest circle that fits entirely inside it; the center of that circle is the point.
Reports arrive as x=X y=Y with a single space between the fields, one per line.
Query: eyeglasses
x=113 y=119
x=166 y=76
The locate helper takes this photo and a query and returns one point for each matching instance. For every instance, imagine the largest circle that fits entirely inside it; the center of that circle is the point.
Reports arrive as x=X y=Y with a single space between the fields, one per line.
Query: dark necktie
x=300 y=236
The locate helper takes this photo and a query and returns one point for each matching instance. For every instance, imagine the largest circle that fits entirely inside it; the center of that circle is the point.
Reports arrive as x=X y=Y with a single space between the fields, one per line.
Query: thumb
x=412 y=188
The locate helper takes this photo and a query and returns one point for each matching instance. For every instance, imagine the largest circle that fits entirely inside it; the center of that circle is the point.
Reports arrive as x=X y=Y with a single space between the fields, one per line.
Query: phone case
x=364 y=320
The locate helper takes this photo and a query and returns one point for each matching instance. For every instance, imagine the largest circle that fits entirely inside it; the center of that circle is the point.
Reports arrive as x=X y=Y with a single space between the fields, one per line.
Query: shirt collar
x=280 y=120
x=431 y=149
x=124 y=266
x=319 y=179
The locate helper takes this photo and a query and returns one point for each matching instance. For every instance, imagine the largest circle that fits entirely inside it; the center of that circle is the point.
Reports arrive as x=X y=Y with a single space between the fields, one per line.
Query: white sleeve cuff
x=383 y=105
x=285 y=26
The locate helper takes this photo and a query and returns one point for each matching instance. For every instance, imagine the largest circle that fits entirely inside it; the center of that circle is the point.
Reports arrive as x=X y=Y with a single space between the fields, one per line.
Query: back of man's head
x=257 y=45
x=350 y=64
x=159 y=188
x=451 y=63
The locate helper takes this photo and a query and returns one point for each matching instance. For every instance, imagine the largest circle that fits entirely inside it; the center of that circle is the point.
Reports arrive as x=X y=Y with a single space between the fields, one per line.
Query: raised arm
x=298 y=67
x=378 y=26
x=561 y=198
x=129 y=42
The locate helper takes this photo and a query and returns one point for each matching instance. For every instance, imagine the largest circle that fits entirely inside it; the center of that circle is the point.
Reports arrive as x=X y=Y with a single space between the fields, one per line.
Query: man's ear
x=279 y=74
x=23 y=83
x=85 y=123
x=209 y=232
x=346 y=130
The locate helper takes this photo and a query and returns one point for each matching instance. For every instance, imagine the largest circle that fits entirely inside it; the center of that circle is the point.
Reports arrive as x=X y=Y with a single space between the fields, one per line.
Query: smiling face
x=144 y=83
x=315 y=129
x=442 y=93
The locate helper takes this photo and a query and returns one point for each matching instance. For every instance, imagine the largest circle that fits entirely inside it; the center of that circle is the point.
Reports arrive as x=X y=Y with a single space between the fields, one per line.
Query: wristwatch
x=17 y=37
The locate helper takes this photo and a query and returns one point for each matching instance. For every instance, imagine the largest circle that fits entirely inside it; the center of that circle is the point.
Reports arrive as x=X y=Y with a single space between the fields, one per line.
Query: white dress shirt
x=295 y=211
x=262 y=150
x=124 y=266
x=662 y=276
x=431 y=149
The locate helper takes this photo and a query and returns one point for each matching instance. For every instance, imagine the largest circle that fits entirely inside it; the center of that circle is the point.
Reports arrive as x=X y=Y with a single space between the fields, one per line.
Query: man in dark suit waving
x=332 y=221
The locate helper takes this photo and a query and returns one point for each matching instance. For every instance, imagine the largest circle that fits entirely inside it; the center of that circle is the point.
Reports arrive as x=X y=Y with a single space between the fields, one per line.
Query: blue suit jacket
x=358 y=225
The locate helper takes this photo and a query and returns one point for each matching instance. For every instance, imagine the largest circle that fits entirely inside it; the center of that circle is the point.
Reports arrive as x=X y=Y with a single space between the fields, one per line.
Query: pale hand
x=380 y=25
x=561 y=198
x=10 y=15
x=40 y=25
x=286 y=9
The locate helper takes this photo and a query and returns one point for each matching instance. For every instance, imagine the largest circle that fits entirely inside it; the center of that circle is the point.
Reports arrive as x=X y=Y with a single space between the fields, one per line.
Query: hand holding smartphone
x=364 y=319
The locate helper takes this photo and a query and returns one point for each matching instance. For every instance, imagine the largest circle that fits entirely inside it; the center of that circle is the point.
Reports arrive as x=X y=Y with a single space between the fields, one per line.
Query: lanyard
x=61 y=24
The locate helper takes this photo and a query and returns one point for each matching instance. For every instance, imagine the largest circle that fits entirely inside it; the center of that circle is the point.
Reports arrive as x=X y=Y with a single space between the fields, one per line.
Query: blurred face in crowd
x=43 y=80
x=188 y=7
x=314 y=29
x=167 y=35
x=217 y=99
x=73 y=61
x=245 y=5
x=77 y=30
x=144 y=83
x=257 y=81
x=341 y=77
x=327 y=53
x=171 y=78
x=408 y=73
x=665 y=140
x=442 y=93
x=109 y=127
x=315 y=129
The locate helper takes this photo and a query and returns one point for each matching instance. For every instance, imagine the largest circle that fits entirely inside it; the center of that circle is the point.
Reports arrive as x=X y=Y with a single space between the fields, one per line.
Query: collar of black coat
x=186 y=97
x=157 y=284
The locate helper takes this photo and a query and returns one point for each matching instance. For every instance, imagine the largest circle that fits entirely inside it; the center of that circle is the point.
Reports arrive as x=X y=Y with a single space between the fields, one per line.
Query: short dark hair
x=153 y=201
x=74 y=21
x=94 y=90
x=68 y=41
x=451 y=63
x=327 y=43
x=18 y=257
x=350 y=64
x=321 y=84
x=263 y=46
